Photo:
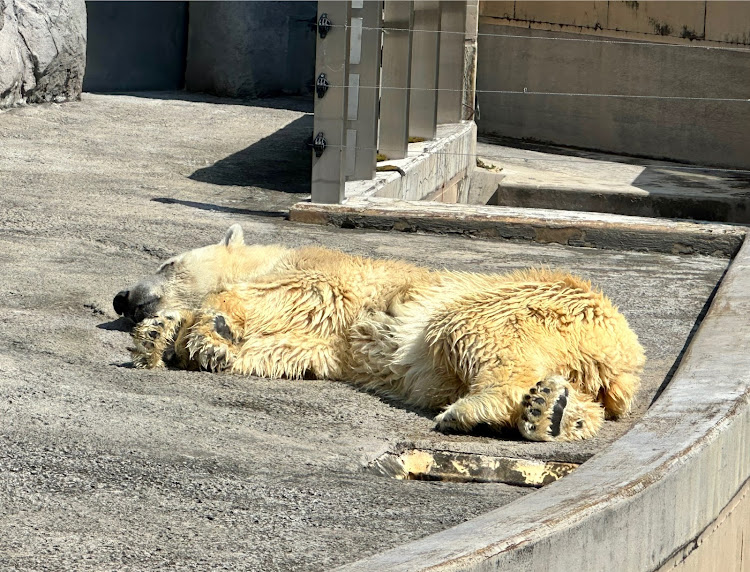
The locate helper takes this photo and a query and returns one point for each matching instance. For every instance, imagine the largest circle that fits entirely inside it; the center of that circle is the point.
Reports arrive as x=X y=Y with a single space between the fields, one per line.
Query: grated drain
x=427 y=465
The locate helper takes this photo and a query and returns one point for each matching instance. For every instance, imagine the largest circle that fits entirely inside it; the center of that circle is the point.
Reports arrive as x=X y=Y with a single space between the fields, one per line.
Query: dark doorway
x=135 y=46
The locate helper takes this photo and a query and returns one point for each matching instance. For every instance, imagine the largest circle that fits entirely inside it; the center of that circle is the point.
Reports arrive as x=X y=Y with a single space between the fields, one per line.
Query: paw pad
x=221 y=327
x=543 y=410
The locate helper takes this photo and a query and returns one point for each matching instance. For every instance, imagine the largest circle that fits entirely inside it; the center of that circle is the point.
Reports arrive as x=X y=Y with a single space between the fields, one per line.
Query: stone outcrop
x=42 y=50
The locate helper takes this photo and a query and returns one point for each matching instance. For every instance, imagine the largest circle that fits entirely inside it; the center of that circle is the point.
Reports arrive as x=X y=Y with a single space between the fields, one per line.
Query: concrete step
x=548 y=177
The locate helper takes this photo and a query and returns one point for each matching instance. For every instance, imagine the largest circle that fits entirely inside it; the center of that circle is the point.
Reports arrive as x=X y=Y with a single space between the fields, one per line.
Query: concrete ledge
x=433 y=168
x=596 y=230
x=639 y=503
x=732 y=208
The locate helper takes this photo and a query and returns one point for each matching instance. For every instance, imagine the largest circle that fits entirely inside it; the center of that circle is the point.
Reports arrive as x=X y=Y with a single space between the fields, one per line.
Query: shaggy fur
x=538 y=350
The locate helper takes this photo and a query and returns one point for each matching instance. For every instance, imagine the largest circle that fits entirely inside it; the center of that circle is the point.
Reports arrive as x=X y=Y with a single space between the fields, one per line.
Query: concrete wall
x=722 y=546
x=136 y=46
x=236 y=49
x=708 y=132
x=248 y=49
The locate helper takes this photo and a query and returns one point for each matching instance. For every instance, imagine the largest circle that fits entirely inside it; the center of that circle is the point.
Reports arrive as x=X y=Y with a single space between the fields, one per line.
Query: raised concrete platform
x=545 y=176
x=593 y=230
x=435 y=168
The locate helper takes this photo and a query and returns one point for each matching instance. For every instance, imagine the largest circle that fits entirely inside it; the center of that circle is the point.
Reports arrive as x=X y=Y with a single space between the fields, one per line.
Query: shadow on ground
x=303 y=103
x=281 y=162
x=219 y=208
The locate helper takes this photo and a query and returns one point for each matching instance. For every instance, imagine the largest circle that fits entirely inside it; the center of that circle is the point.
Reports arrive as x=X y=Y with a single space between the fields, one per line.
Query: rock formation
x=42 y=50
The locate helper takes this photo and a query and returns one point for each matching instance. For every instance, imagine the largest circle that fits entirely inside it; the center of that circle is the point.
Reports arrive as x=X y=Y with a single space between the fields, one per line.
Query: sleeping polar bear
x=538 y=350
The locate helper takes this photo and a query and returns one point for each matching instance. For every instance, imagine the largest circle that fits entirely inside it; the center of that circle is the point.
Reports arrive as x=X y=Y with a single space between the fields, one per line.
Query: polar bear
x=539 y=350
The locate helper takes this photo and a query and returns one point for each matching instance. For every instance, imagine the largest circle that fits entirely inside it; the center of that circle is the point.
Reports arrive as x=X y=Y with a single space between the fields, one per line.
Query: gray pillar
x=394 y=100
x=424 y=69
x=451 y=75
x=332 y=62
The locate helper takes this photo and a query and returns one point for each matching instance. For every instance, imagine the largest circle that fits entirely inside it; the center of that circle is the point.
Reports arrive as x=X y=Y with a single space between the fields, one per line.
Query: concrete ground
x=106 y=467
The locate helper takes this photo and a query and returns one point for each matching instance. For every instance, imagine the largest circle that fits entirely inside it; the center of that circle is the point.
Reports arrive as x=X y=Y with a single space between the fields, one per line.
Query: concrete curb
x=628 y=201
x=640 y=502
x=596 y=230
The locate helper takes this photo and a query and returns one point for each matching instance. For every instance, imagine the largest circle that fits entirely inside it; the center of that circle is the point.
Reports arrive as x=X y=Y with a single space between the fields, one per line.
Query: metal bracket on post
x=321 y=85
x=332 y=65
x=319 y=144
x=324 y=25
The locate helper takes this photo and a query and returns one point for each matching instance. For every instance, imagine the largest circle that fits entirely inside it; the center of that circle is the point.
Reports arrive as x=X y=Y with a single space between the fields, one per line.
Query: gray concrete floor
x=106 y=467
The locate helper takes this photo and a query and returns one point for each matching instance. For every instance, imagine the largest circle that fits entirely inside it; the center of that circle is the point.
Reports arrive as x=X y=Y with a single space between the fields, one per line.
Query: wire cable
x=583 y=40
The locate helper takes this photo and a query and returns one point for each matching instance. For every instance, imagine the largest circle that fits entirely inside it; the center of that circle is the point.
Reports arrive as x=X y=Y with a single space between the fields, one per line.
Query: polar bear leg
x=292 y=355
x=494 y=398
x=546 y=410
x=554 y=411
x=232 y=333
x=486 y=407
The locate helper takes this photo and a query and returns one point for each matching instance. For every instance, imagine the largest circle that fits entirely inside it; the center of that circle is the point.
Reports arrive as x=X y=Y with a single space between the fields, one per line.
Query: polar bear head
x=184 y=280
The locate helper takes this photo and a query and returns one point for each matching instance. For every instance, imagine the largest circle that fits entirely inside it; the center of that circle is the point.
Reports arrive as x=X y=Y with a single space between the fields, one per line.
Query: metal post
x=424 y=69
x=451 y=74
x=364 y=70
x=394 y=100
x=332 y=69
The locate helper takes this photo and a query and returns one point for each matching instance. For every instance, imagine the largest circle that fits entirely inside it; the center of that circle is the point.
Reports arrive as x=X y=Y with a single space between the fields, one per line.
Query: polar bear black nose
x=121 y=302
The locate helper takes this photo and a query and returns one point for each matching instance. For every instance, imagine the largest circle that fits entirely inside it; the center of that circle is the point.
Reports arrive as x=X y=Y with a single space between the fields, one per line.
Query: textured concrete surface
x=107 y=467
x=545 y=176
x=42 y=50
x=722 y=544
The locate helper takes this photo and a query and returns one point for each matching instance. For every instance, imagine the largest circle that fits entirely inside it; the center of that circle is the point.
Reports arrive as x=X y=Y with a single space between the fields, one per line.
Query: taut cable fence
x=388 y=73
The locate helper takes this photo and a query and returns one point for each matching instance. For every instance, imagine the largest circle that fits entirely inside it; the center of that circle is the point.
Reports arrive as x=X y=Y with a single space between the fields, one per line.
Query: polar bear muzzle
x=136 y=304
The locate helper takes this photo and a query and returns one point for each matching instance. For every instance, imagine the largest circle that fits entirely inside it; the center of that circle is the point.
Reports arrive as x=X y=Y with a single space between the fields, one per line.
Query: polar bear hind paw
x=554 y=411
x=154 y=340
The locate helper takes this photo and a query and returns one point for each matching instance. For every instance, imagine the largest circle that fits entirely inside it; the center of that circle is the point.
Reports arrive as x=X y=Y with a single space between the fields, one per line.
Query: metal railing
x=384 y=73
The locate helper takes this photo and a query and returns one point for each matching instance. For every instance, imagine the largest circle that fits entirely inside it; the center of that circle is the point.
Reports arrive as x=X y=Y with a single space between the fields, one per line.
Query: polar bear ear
x=234 y=236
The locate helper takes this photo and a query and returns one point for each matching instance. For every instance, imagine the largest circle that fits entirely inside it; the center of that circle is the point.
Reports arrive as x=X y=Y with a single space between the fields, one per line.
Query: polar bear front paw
x=554 y=411
x=154 y=340
x=212 y=342
x=451 y=421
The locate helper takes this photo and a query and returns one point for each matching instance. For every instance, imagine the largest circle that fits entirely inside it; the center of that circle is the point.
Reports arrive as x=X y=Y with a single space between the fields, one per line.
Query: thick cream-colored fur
x=485 y=349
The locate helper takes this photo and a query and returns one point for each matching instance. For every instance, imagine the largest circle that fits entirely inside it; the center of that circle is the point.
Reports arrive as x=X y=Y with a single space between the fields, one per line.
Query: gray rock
x=42 y=50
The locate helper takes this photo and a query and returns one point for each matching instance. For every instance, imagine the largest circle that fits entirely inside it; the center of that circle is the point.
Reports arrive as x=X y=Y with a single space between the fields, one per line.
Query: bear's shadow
x=121 y=324
x=481 y=430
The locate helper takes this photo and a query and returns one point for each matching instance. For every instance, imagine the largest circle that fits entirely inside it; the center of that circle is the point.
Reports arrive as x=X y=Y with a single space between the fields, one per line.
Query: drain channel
x=426 y=465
